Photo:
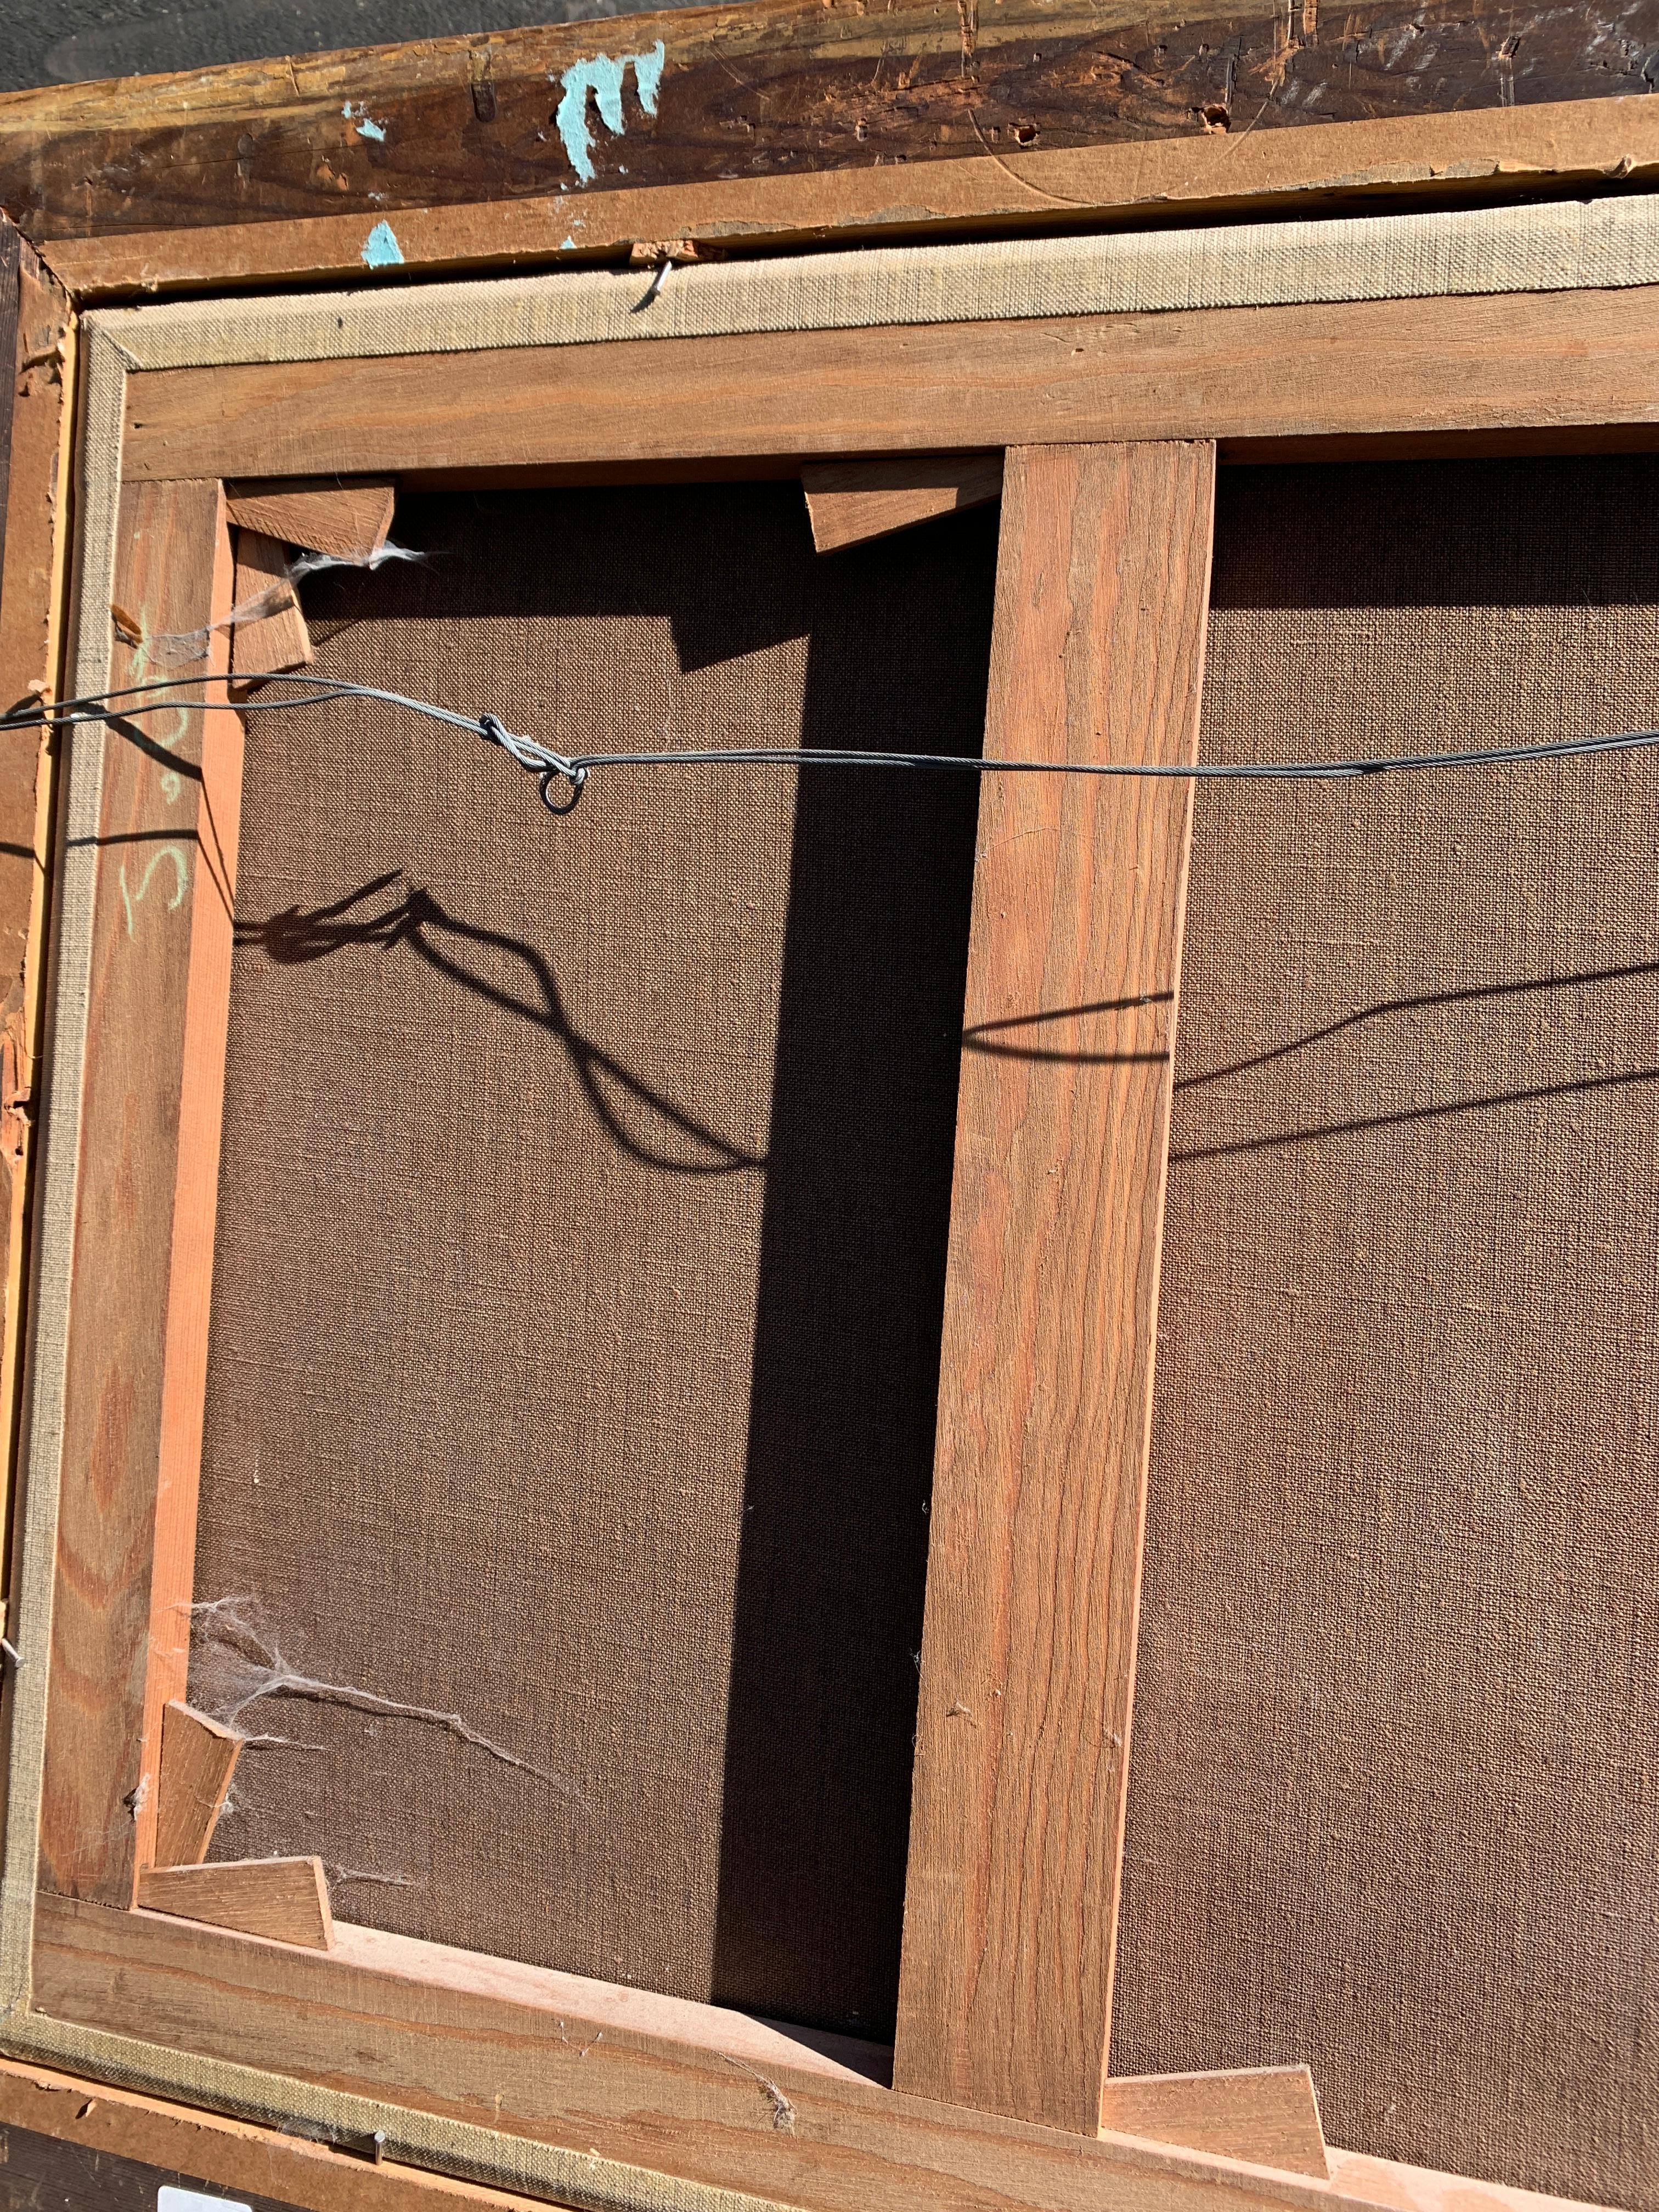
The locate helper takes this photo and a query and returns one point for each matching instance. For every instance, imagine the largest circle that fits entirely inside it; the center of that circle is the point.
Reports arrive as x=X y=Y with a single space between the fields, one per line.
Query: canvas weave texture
x=1566 y=245
x=580 y=1245
x=1393 y=1806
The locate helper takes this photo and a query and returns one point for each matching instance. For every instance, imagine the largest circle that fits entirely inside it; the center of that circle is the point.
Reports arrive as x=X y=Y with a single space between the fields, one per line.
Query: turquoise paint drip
x=647 y=74
x=602 y=76
x=381 y=249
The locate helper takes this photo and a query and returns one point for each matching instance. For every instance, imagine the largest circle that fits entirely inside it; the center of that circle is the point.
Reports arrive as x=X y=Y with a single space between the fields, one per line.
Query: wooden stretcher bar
x=1051 y=1295
x=1561 y=371
x=61 y=2132
x=149 y=1128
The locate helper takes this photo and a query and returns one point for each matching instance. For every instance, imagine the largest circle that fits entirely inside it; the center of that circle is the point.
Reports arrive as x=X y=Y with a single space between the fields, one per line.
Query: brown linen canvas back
x=580 y=1244
x=1394 y=1783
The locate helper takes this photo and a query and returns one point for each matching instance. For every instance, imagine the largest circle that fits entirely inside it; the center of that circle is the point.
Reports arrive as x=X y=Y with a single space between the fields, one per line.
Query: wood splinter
x=660 y=252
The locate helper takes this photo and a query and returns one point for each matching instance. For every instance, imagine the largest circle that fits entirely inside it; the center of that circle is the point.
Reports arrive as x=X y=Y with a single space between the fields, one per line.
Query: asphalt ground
x=66 y=41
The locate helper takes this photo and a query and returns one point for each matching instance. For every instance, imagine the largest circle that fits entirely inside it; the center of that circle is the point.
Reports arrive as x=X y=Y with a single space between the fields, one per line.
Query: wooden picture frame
x=1109 y=425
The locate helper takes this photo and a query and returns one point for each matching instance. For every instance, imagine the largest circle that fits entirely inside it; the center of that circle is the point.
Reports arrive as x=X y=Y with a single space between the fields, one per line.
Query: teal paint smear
x=604 y=77
x=381 y=249
x=647 y=74
x=365 y=126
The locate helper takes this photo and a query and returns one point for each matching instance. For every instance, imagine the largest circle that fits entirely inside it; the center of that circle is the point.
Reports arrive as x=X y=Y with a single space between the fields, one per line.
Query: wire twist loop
x=561 y=778
x=543 y=762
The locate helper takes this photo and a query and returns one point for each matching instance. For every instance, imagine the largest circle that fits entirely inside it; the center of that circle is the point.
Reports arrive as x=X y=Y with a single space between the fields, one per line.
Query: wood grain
x=11 y=247
x=272 y=635
x=781 y=89
x=1399 y=2188
x=1051 y=1288
x=33 y=565
x=850 y=502
x=198 y=1759
x=1268 y=2115
x=147 y=1181
x=193 y=1090
x=350 y=520
x=1560 y=368
x=110 y=2135
x=1434 y=160
x=285 y=1900
x=376 y=2018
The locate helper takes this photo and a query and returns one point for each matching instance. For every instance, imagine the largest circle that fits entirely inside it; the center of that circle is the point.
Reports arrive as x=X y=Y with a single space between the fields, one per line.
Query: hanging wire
x=563 y=777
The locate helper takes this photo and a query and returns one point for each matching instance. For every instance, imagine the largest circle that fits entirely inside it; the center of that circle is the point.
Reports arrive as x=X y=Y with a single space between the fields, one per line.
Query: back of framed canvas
x=899 y=1458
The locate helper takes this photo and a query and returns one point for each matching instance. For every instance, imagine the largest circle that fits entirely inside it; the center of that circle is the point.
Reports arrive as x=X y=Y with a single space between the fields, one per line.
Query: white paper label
x=169 y=2199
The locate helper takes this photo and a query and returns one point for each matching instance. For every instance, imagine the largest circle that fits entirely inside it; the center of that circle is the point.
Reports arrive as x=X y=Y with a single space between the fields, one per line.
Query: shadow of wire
x=418 y=921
